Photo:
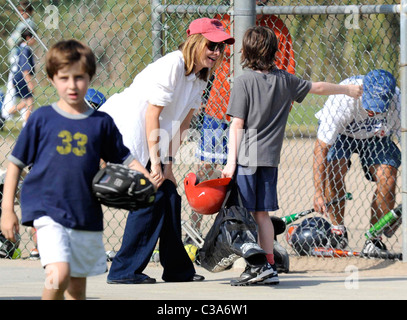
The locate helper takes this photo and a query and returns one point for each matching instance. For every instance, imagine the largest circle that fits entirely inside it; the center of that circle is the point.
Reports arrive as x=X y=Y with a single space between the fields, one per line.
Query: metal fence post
x=156 y=29
x=244 y=14
x=403 y=85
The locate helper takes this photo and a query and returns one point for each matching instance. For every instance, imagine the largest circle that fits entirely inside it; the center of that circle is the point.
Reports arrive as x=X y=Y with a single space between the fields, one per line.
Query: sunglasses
x=213 y=46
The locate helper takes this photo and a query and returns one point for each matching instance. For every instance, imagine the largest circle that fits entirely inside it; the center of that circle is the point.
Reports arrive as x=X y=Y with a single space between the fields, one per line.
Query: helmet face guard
x=205 y=197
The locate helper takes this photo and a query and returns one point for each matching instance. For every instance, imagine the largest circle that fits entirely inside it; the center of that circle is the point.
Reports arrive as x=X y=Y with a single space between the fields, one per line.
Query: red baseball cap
x=211 y=29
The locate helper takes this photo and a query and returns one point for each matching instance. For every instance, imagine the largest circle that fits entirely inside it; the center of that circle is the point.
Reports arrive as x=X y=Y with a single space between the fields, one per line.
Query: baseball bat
x=295 y=216
x=338 y=253
x=333 y=253
x=390 y=230
x=391 y=217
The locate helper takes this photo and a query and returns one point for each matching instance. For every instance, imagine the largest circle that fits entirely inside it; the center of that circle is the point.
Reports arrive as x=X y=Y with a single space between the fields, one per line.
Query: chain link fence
x=319 y=41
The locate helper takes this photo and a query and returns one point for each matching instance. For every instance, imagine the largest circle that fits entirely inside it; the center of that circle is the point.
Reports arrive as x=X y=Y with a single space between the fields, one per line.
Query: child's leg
x=29 y=105
x=258 y=190
x=24 y=107
x=265 y=233
x=19 y=106
x=76 y=289
x=56 y=281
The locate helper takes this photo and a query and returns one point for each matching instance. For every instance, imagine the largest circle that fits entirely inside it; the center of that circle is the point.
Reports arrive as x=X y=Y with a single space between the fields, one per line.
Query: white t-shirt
x=161 y=83
x=344 y=115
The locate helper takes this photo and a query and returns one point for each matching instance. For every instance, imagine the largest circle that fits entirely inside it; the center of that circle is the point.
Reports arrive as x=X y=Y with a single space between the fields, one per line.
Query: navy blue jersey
x=64 y=153
x=24 y=61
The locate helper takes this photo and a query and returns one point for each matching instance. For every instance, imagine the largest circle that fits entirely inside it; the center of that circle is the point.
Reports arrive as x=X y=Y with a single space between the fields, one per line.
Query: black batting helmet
x=311 y=233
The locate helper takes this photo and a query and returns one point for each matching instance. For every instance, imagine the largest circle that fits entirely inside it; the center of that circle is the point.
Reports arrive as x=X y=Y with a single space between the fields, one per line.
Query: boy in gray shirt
x=260 y=102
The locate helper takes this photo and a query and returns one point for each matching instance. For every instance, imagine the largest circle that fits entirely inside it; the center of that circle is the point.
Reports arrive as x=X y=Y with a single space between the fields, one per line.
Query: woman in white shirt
x=152 y=115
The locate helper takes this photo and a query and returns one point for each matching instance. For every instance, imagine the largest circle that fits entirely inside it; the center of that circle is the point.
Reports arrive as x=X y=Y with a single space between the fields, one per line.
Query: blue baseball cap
x=378 y=90
x=95 y=97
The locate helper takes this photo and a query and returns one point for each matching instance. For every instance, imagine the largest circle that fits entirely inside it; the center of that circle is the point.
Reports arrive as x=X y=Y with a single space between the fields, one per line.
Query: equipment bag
x=7 y=247
x=233 y=235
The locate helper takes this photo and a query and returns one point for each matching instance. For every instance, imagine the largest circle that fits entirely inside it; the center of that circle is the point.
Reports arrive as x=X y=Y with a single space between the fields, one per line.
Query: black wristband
x=168 y=159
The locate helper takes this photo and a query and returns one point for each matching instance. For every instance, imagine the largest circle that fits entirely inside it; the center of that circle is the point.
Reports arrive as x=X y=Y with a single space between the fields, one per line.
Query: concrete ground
x=308 y=279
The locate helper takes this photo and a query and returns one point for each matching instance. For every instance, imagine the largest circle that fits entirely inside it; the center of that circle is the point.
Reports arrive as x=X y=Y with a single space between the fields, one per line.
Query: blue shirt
x=65 y=151
x=24 y=61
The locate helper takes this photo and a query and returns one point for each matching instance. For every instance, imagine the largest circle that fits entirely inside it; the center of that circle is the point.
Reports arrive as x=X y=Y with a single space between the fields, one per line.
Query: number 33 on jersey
x=72 y=143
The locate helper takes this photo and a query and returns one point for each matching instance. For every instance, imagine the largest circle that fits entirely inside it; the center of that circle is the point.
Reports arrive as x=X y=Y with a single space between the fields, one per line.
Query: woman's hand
x=157 y=174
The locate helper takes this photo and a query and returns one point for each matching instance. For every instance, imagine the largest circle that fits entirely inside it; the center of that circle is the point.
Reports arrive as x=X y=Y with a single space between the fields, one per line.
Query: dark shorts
x=258 y=187
x=22 y=90
x=373 y=151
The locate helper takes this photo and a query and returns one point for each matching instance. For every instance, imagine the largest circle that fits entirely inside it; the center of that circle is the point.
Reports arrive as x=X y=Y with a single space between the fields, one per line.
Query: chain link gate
x=323 y=41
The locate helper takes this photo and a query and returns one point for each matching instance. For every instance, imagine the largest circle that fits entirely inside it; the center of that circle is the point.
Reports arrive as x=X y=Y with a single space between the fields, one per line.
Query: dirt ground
x=338 y=266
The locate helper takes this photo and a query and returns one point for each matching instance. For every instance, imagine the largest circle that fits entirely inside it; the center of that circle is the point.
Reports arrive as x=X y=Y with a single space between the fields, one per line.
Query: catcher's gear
x=281 y=258
x=205 y=197
x=8 y=247
x=120 y=187
x=279 y=226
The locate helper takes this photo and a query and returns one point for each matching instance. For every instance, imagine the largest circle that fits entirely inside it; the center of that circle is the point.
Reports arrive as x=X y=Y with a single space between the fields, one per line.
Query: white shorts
x=83 y=250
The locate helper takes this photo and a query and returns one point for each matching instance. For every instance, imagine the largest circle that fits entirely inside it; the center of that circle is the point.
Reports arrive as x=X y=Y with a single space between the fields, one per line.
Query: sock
x=270 y=258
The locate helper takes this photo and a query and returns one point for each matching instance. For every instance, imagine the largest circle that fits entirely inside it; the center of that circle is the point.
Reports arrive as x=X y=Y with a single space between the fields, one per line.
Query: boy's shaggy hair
x=67 y=52
x=259 y=49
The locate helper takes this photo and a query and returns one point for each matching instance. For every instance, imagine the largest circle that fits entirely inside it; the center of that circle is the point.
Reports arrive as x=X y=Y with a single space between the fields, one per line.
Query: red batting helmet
x=205 y=197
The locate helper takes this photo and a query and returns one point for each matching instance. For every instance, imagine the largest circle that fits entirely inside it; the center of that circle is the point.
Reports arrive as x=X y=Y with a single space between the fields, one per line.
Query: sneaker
x=374 y=248
x=110 y=254
x=273 y=279
x=34 y=254
x=253 y=275
x=339 y=237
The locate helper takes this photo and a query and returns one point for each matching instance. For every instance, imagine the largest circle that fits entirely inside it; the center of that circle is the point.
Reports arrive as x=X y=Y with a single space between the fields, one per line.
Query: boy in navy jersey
x=23 y=72
x=63 y=143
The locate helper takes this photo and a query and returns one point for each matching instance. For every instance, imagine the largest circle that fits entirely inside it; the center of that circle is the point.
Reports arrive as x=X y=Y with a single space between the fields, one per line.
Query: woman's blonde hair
x=193 y=49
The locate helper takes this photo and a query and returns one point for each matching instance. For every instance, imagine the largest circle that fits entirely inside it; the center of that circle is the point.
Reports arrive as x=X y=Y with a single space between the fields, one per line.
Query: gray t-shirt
x=264 y=101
